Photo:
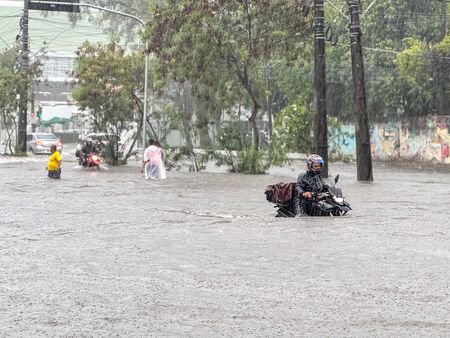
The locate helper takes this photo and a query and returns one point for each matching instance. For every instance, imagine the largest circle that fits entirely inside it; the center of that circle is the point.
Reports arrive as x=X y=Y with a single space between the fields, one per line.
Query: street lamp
x=147 y=55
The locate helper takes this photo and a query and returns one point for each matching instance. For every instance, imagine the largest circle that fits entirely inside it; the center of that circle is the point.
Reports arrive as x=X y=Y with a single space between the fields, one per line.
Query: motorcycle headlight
x=339 y=200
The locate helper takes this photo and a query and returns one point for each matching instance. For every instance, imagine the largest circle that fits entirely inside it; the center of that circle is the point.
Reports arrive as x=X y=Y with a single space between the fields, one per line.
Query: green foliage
x=443 y=46
x=388 y=26
x=12 y=82
x=232 y=137
x=410 y=63
x=217 y=44
x=236 y=151
x=247 y=161
x=259 y=55
x=176 y=158
x=293 y=79
x=167 y=119
x=424 y=76
x=227 y=158
x=292 y=132
x=106 y=81
x=389 y=22
x=251 y=161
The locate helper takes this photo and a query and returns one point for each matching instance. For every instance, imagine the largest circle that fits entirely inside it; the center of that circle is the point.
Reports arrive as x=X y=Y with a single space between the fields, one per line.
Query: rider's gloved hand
x=307 y=194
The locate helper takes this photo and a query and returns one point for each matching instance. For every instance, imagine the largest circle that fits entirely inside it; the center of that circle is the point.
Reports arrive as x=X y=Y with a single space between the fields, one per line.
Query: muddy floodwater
x=108 y=254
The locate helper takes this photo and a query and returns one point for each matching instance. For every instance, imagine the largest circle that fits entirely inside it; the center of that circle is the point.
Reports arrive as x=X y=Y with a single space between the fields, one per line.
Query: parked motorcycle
x=328 y=203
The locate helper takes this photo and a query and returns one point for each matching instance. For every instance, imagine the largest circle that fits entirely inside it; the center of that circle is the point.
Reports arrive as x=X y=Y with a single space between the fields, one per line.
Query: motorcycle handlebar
x=319 y=195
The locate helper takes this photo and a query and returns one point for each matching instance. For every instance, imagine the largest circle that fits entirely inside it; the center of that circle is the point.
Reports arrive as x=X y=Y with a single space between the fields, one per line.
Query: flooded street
x=106 y=254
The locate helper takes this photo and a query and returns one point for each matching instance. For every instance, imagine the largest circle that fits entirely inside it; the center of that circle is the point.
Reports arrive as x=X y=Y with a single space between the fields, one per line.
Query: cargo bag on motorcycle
x=282 y=194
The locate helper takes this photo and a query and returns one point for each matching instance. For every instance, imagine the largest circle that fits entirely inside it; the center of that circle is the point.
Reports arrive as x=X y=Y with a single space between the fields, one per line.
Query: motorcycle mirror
x=336 y=179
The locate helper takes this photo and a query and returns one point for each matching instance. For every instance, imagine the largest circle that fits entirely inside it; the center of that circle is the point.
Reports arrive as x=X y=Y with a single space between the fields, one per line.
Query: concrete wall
x=424 y=139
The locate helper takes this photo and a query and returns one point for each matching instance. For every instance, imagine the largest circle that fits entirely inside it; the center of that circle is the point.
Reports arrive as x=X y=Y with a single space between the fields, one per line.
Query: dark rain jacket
x=86 y=150
x=310 y=181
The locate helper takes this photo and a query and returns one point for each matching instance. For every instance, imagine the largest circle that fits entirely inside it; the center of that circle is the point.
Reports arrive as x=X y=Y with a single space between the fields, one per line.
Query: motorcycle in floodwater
x=92 y=160
x=328 y=203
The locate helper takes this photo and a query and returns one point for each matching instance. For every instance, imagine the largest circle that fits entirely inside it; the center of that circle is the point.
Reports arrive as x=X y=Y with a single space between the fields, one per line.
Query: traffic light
x=39 y=112
x=42 y=6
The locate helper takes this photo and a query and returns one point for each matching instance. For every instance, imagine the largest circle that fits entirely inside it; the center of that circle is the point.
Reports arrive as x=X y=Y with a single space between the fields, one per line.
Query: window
x=45 y=136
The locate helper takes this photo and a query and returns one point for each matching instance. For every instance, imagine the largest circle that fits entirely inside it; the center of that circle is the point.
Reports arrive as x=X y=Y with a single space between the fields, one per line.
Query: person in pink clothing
x=158 y=144
x=153 y=165
x=163 y=167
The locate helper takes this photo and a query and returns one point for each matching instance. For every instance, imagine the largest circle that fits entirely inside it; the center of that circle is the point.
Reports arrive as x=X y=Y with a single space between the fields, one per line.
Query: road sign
x=52 y=5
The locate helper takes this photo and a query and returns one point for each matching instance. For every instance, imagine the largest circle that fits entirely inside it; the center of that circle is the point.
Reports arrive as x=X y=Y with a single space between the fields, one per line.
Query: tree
x=292 y=131
x=196 y=39
x=390 y=25
x=9 y=90
x=12 y=80
x=424 y=76
x=218 y=53
x=125 y=29
x=387 y=25
x=108 y=83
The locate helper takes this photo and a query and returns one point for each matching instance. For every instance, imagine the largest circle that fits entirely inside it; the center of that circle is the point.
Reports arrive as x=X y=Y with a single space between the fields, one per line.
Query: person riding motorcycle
x=309 y=183
x=87 y=149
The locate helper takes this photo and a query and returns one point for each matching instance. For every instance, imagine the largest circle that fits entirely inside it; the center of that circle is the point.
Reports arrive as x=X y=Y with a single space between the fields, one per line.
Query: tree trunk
x=185 y=107
x=270 y=117
x=203 y=130
x=139 y=106
x=9 y=132
x=242 y=74
x=254 y=125
x=130 y=150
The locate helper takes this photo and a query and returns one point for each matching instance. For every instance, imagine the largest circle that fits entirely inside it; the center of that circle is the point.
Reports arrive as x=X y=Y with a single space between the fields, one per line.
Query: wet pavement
x=106 y=254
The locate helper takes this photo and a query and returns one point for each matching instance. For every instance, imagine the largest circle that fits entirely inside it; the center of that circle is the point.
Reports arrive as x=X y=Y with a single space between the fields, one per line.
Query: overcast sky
x=11 y=3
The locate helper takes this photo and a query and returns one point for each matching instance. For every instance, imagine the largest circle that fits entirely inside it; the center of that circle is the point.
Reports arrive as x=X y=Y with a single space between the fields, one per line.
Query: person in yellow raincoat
x=54 y=163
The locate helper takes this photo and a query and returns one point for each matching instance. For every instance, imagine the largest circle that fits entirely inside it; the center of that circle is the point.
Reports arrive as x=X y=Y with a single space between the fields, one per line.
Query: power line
x=54 y=23
x=10 y=16
x=6 y=43
x=390 y=51
x=368 y=8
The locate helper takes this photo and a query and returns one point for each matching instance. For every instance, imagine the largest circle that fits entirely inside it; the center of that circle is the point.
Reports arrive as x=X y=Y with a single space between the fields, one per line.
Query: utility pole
x=443 y=18
x=442 y=83
x=23 y=102
x=363 y=151
x=320 y=123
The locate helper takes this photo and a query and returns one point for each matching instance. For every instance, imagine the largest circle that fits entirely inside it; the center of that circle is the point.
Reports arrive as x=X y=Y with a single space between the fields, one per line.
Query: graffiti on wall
x=426 y=140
